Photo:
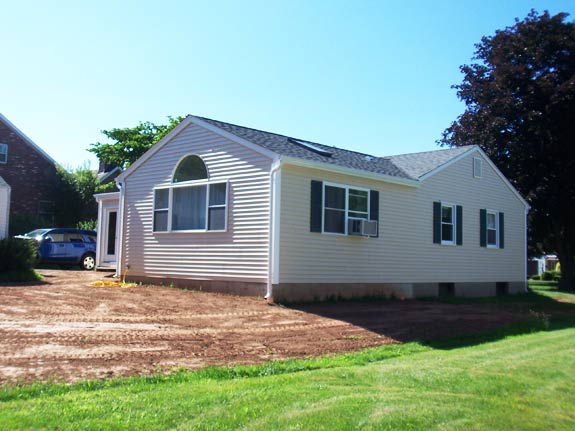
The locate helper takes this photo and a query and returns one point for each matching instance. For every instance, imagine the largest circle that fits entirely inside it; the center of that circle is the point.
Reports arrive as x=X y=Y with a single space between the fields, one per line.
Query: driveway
x=65 y=329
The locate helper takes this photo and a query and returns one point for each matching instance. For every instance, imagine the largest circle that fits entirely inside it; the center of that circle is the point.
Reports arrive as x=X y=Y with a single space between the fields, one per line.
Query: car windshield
x=35 y=233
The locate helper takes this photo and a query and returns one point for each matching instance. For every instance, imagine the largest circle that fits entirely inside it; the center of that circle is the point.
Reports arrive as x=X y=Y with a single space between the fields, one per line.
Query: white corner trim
x=27 y=139
x=350 y=171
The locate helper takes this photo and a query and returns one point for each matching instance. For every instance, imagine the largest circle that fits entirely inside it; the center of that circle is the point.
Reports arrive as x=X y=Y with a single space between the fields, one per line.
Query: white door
x=110 y=235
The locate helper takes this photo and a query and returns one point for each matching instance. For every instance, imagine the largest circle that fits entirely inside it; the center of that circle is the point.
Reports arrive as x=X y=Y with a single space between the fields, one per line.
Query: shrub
x=17 y=254
x=547 y=276
x=87 y=225
x=536 y=277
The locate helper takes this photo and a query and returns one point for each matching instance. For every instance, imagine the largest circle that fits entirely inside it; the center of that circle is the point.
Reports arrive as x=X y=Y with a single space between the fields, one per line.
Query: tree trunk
x=567 y=261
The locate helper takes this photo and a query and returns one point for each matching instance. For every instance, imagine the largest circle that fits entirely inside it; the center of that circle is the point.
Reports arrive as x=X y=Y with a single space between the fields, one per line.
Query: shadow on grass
x=447 y=323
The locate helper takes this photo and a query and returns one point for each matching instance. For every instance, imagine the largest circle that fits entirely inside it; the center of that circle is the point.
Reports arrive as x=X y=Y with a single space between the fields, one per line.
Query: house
x=31 y=175
x=221 y=207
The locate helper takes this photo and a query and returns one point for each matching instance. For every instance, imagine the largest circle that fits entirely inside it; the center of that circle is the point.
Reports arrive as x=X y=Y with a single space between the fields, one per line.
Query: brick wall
x=32 y=177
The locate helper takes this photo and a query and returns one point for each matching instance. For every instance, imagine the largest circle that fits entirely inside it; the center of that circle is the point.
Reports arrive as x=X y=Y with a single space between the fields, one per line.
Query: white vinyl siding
x=404 y=251
x=238 y=254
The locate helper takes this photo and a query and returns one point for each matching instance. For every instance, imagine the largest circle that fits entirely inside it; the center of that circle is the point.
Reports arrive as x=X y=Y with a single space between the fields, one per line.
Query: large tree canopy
x=520 y=109
x=131 y=142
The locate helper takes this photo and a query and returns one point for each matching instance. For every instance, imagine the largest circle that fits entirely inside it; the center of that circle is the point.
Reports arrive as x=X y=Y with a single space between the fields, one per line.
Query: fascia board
x=350 y=171
x=27 y=139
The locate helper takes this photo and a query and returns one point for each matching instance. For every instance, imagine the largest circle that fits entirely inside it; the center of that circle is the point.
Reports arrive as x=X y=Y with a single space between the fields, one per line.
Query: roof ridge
x=286 y=136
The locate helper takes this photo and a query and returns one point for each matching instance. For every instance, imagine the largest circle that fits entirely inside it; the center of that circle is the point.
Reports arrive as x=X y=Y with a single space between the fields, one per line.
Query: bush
x=547 y=276
x=17 y=255
x=88 y=225
x=536 y=277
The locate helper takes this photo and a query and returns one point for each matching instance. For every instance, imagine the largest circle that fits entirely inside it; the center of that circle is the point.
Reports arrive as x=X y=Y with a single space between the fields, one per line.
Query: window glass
x=447 y=224
x=358 y=200
x=492 y=229
x=3 y=153
x=73 y=237
x=189 y=208
x=334 y=197
x=334 y=221
x=161 y=204
x=162 y=197
x=56 y=237
x=218 y=194
x=191 y=168
x=217 y=218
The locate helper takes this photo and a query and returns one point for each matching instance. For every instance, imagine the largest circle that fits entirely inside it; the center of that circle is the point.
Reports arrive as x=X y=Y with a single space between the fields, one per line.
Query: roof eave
x=350 y=171
x=27 y=139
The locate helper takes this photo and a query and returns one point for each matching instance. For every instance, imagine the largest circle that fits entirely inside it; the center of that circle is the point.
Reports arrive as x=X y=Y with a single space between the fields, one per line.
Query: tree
x=77 y=203
x=131 y=143
x=520 y=109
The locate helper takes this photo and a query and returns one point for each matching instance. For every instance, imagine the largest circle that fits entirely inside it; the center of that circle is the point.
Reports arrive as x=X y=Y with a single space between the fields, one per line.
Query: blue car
x=65 y=246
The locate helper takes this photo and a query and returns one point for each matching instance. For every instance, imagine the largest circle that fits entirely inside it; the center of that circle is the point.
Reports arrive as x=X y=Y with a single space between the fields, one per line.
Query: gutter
x=273 y=252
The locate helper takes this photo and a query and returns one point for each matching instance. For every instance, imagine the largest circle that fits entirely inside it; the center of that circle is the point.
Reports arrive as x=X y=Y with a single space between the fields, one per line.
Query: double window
x=192 y=202
x=344 y=210
x=3 y=153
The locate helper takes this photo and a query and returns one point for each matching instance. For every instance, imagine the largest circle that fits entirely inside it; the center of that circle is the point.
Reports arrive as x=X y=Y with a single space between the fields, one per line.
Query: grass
x=517 y=378
x=20 y=276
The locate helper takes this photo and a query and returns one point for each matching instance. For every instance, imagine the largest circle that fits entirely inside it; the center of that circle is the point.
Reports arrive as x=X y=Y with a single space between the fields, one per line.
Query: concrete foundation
x=310 y=292
x=220 y=286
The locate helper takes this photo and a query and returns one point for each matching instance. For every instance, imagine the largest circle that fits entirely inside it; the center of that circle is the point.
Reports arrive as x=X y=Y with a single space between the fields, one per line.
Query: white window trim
x=5 y=152
x=347 y=217
x=496 y=245
x=454 y=223
x=480 y=160
x=193 y=183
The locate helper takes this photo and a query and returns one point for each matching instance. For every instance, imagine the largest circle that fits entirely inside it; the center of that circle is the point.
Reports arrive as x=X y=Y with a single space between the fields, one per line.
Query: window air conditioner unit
x=369 y=227
x=362 y=227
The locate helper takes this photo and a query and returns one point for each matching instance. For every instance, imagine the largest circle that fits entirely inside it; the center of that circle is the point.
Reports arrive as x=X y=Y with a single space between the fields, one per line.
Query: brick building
x=32 y=177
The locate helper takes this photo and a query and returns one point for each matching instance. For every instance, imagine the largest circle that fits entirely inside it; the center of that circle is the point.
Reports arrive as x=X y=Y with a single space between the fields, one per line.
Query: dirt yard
x=65 y=329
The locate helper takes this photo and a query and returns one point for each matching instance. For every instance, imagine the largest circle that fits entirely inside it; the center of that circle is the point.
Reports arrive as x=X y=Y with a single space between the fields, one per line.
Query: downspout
x=525 y=256
x=121 y=186
x=275 y=186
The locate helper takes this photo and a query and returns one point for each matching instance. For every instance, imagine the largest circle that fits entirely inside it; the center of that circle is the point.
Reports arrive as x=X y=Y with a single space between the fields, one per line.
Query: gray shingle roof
x=418 y=164
x=408 y=166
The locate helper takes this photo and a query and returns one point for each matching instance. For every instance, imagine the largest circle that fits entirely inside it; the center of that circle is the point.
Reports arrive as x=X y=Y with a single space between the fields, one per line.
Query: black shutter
x=459 y=224
x=437 y=222
x=374 y=208
x=316 y=206
x=483 y=228
x=501 y=231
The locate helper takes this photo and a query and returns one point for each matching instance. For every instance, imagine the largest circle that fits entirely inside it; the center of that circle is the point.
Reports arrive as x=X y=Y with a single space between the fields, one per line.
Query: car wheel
x=88 y=262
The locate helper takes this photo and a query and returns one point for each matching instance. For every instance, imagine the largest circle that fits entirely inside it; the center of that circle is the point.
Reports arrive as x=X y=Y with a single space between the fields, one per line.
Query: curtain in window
x=189 y=208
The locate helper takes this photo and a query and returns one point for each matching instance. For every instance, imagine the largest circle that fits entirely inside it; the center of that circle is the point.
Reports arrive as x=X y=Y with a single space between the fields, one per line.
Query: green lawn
x=497 y=381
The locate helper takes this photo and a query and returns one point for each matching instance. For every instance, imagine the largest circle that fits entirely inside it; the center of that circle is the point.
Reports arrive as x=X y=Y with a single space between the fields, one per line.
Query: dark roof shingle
x=407 y=166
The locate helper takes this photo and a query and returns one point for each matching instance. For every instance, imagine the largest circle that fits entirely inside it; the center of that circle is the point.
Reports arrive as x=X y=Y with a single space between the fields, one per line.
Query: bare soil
x=63 y=329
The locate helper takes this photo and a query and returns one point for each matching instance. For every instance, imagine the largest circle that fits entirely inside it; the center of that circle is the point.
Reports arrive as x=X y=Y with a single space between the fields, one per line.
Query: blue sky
x=372 y=76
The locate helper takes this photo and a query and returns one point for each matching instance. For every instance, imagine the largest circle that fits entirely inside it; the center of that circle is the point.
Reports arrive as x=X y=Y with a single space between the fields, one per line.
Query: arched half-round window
x=190 y=168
